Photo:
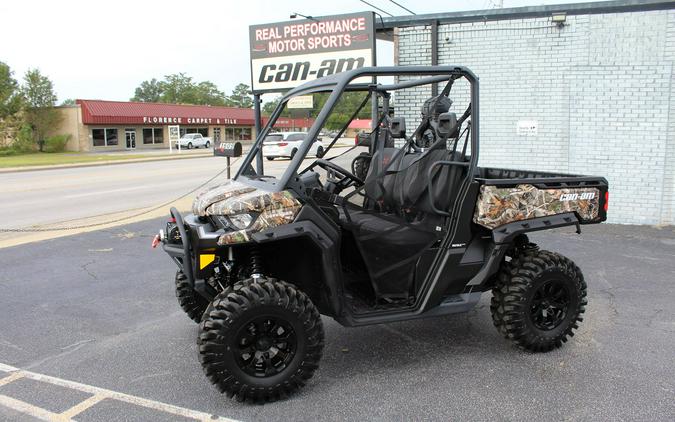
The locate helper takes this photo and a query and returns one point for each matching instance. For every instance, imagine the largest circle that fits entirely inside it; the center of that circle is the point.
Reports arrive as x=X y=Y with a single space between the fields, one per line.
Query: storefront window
x=153 y=135
x=104 y=137
x=216 y=135
x=99 y=137
x=203 y=130
x=238 y=134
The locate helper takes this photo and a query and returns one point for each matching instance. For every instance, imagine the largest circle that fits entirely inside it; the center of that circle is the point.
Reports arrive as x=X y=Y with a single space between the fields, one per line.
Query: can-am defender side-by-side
x=421 y=231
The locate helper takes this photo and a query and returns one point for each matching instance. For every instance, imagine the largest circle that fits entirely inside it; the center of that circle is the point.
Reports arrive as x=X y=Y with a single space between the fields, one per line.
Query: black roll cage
x=339 y=83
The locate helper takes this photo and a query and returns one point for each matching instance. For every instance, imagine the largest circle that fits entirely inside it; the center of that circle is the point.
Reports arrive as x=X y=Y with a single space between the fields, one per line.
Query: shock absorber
x=257 y=269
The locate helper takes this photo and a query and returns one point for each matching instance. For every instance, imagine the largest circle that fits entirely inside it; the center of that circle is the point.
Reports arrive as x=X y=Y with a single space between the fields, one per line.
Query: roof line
x=164 y=104
x=616 y=6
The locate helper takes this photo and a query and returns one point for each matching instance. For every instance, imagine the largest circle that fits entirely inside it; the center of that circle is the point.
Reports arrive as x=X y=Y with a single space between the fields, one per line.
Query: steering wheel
x=341 y=177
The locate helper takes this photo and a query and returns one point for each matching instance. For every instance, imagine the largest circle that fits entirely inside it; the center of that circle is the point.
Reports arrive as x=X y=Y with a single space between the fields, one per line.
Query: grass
x=50 y=159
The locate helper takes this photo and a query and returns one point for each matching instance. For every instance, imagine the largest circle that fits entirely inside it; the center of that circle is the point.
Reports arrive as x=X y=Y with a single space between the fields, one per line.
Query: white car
x=286 y=144
x=193 y=140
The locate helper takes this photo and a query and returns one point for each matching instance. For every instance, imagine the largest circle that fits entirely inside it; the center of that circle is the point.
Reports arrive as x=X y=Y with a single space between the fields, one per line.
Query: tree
x=68 y=102
x=269 y=106
x=149 y=92
x=40 y=98
x=241 y=97
x=179 y=88
x=10 y=94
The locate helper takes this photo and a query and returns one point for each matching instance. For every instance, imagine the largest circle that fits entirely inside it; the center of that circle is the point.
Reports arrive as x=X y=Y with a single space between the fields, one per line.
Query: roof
x=360 y=124
x=122 y=112
x=617 y=6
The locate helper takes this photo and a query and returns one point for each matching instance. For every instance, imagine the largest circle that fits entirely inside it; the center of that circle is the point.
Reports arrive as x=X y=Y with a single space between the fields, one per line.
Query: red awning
x=96 y=112
x=360 y=124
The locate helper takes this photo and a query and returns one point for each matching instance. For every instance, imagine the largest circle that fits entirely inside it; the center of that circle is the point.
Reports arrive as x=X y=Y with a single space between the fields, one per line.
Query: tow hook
x=157 y=239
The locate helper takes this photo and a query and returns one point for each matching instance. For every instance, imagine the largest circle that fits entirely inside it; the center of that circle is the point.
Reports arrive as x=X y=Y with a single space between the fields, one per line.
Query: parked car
x=286 y=144
x=193 y=140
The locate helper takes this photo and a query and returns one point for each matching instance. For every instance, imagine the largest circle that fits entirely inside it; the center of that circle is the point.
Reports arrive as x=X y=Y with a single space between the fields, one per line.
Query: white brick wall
x=602 y=90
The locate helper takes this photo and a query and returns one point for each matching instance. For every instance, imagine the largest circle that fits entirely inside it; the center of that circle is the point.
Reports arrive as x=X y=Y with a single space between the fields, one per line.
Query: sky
x=103 y=50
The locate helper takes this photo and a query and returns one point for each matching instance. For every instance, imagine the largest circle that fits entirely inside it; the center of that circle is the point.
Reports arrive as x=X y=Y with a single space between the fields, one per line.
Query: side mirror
x=447 y=124
x=397 y=127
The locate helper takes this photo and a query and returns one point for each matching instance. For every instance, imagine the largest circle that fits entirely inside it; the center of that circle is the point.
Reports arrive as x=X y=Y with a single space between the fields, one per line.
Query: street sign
x=287 y=54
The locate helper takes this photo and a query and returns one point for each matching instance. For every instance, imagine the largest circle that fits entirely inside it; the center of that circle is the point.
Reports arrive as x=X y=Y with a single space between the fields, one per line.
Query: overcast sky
x=103 y=50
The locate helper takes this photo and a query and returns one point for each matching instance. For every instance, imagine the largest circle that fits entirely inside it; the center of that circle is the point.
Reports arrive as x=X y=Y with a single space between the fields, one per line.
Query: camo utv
x=422 y=231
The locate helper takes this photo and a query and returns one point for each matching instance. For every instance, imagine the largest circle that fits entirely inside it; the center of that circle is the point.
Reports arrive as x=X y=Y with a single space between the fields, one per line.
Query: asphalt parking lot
x=97 y=312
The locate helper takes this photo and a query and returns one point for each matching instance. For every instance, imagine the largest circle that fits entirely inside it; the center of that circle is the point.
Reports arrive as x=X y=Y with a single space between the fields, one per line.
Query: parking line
x=28 y=409
x=82 y=406
x=98 y=395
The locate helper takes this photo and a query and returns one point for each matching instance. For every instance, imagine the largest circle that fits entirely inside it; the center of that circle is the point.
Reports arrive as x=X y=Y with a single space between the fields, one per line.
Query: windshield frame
x=336 y=85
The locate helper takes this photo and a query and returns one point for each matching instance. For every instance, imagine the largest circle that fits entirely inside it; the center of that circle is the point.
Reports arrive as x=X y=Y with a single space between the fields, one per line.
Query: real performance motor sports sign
x=287 y=54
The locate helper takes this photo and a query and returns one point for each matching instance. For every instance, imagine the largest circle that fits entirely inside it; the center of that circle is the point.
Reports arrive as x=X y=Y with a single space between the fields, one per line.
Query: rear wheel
x=190 y=301
x=261 y=340
x=207 y=144
x=539 y=300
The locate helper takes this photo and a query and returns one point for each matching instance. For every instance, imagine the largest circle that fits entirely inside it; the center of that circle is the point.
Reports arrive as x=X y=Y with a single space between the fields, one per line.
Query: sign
x=189 y=120
x=302 y=101
x=527 y=127
x=287 y=54
x=174 y=136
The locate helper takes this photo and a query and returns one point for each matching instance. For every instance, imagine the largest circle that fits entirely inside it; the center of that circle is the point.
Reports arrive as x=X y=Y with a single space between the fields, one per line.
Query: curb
x=100 y=163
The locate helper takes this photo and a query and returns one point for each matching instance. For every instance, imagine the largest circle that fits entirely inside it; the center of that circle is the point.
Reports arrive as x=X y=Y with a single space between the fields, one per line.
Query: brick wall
x=602 y=91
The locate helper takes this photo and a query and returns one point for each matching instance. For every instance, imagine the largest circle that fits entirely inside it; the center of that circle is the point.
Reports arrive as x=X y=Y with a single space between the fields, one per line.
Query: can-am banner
x=287 y=54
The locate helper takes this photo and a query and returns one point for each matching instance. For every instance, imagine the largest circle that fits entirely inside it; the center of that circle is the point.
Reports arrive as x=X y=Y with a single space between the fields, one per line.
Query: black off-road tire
x=232 y=311
x=514 y=294
x=190 y=301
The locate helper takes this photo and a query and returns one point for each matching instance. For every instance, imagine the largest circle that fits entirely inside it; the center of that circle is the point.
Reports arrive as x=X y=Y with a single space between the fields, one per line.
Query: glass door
x=130 y=136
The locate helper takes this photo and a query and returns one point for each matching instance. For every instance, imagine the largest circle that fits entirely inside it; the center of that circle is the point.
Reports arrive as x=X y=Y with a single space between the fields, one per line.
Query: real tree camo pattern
x=498 y=206
x=232 y=197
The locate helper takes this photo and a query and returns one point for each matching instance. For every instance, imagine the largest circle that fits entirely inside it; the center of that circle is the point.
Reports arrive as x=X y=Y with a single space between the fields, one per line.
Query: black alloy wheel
x=549 y=305
x=265 y=346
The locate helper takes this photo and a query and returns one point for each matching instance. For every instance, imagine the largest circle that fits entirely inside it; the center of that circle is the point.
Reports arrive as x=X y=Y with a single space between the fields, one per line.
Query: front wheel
x=189 y=145
x=293 y=153
x=539 y=300
x=189 y=300
x=261 y=340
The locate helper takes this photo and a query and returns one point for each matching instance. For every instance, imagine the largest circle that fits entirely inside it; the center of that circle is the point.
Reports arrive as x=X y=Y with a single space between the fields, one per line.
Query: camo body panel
x=230 y=198
x=497 y=206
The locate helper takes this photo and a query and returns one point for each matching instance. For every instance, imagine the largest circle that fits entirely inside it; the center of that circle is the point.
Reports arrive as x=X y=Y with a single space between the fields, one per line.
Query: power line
x=375 y=7
x=403 y=7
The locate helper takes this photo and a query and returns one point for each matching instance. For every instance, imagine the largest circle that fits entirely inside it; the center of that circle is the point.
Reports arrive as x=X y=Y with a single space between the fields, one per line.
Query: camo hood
x=271 y=209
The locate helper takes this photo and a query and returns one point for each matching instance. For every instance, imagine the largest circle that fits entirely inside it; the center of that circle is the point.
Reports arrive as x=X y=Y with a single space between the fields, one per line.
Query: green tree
x=149 y=92
x=68 y=102
x=241 y=97
x=40 y=98
x=179 y=88
x=10 y=94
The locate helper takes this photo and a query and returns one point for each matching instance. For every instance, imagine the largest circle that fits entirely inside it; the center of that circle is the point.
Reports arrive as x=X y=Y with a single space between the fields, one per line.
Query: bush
x=8 y=151
x=56 y=143
x=24 y=142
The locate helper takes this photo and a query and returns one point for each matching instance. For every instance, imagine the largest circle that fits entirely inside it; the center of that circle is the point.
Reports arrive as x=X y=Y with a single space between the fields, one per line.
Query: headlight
x=240 y=221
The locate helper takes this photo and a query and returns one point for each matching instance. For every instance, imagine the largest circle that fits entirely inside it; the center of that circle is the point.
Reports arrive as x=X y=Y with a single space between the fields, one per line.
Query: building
x=595 y=82
x=95 y=125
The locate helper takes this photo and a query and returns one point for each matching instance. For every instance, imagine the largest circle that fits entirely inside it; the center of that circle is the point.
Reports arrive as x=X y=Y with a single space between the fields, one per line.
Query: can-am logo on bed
x=287 y=54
